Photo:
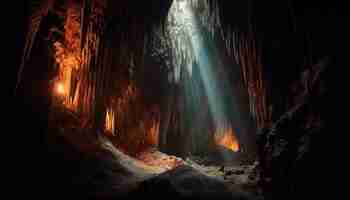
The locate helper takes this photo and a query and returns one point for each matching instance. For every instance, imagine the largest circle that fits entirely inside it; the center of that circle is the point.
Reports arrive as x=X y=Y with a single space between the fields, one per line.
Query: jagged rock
x=186 y=182
x=238 y=172
x=290 y=152
x=222 y=168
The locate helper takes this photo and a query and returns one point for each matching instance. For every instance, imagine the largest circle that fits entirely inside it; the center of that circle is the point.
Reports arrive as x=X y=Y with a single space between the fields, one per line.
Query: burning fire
x=227 y=139
x=60 y=88
x=109 y=124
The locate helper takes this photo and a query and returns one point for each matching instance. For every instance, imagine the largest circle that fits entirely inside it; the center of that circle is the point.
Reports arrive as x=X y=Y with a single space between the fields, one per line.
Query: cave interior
x=181 y=98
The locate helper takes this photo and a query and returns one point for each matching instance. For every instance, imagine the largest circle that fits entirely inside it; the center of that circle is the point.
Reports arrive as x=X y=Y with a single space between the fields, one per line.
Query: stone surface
x=186 y=182
x=292 y=152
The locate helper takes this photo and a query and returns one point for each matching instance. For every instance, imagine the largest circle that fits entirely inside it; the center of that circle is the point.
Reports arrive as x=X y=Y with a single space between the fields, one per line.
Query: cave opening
x=193 y=98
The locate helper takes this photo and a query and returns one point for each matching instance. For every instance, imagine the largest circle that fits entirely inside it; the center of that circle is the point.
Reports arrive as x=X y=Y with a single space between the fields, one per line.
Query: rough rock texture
x=186 y=182
x=240 y=176
x=293 y=152
x=96 y=169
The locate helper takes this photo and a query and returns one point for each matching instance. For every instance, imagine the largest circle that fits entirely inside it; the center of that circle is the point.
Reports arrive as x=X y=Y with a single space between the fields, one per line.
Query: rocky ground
x=187 y=182
x=94 y=168
x=243 y=176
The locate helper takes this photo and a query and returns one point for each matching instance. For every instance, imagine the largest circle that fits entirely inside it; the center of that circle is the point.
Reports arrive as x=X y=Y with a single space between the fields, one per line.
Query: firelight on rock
x=59 y=88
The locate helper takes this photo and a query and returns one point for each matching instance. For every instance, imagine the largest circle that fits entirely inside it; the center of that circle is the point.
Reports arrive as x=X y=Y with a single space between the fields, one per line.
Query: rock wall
x=293 y=150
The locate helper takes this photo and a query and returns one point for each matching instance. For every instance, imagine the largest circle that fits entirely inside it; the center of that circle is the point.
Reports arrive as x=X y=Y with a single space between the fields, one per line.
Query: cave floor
x=105 y=172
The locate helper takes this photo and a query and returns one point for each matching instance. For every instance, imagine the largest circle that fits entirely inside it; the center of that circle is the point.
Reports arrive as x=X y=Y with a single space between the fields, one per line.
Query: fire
x=109 y=124
x=227 y=139
x=60 y=88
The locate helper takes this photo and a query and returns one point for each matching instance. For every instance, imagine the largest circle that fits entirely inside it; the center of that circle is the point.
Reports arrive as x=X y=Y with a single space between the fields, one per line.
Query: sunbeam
x=217 y=89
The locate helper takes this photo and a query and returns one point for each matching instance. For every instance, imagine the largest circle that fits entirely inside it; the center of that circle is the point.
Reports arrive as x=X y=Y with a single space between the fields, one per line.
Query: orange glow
x=109 y=124
x=60 y=88
x=153 y=133
x=227 y=139
x=68 y=57
x=155 y=158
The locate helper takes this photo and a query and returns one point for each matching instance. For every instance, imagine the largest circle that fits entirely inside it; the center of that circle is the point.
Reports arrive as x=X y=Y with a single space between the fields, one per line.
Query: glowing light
x=60 y=88
x=182 y=5
x=209 y=64
x=109 y=124
x=161 y=160
x=153 y=133
x=227 y=140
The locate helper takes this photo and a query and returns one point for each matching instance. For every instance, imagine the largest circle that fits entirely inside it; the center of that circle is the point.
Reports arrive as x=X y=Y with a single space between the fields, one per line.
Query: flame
x=60 y=88
x=109 y=124
x=153 y=133
x=227 y=139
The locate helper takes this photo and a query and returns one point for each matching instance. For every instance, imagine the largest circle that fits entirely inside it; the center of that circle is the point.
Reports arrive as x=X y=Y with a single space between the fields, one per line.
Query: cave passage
x=216 y=88
x=191 y=98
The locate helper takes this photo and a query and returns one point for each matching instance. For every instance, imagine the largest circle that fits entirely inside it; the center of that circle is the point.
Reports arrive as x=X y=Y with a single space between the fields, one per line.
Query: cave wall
x=98 y=49
x=281 y=49
x=301 y=50
x=293 y=40
x=294 y=37
x=113 y=73
x=112 y=44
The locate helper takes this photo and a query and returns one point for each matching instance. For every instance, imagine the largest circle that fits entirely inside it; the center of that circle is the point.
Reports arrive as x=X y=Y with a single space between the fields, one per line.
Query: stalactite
x=242 y=48
x=37 y=13
x=34 y=27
